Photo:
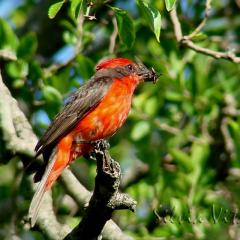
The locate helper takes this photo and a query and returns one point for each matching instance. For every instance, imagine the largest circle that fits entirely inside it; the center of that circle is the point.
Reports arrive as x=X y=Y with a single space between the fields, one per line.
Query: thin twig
x=113 y=36
x=203 y=22
x=215 y=54
x=49 y=71
x=185 y=41
x=176 y=24
x=80 y=22
x=229 y=143
x=167 y=128
x=87 y=14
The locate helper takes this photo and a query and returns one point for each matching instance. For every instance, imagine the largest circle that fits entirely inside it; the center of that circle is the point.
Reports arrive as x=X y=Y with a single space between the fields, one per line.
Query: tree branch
x=176 y=24
x=7 y=54
x=20 y=139
x=48 y=222
x=105 y=199
x=113 y=36
x=186 y=41
x=82 y=196
x=14 y=125
x=203 y=22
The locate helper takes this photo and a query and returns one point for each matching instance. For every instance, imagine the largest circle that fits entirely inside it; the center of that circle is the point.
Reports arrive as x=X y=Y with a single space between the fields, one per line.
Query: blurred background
x=180 y=148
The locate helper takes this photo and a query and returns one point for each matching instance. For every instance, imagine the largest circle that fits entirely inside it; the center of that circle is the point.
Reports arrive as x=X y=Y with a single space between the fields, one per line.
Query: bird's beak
x=147 y=75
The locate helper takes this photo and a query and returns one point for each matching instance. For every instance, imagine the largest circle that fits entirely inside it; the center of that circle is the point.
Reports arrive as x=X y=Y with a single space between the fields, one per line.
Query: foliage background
x=182 y=136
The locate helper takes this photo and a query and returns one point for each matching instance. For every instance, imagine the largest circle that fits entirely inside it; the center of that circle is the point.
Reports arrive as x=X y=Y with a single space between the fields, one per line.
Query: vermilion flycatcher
x=96 y=111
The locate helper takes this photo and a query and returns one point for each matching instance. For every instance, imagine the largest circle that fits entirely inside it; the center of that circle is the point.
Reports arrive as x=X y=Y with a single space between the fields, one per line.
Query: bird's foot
x=101 y=145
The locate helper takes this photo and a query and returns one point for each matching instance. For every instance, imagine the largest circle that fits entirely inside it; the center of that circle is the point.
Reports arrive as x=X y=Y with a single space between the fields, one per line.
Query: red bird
x=96 y=111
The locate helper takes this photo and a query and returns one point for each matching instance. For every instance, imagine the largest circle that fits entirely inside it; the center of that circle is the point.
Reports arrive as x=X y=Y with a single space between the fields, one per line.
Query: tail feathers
x=41 y=189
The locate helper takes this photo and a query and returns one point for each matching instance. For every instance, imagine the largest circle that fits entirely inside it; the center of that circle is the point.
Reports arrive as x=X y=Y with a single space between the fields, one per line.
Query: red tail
x=58 y=161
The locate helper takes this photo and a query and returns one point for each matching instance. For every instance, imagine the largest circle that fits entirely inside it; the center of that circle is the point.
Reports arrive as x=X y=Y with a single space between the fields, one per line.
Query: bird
x=94 y=112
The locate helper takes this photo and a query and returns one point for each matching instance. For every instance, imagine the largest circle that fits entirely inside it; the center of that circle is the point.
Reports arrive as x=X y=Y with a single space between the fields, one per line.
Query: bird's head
x=127 y=67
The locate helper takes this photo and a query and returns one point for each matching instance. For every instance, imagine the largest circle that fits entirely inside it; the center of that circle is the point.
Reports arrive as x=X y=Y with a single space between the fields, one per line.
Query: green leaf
x=8 y=39
x=68 y=25
x=199 y=37
x=151 y=106
x=85 y=66
x=28 y=46
x=54 y=9
x=170 y=4
x=35 y=71
x=76 y=6
x=51 y=94
x=126 y=28
x=140 y=100
x=182 y=158
x=17 y=69
x=69 y=37
x=18 y=83
x=152 y=17
x=174 y=96
x=140 y=130
x=199 y=152
x=234 y=126
x=61 y=81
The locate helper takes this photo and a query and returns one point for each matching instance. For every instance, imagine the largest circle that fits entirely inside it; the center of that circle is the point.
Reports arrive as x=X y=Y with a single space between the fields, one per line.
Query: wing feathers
x=82 y=101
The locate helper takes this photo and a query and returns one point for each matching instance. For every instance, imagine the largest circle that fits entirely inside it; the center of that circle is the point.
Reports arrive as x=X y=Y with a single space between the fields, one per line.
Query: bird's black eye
x=130 y=67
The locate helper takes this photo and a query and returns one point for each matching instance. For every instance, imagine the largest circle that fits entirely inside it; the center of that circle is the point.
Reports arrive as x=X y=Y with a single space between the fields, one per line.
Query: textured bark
x=105 y=199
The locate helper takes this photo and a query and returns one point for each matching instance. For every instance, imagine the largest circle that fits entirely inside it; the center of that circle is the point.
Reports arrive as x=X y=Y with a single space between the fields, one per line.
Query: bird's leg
x=100 y=152
x=100 y=148
x=101 y=145
x=103 y=157
x=97 y=144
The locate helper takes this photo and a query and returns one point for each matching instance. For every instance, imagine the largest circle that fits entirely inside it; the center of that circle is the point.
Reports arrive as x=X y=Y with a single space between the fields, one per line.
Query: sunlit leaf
x=85 y=67
x=27 y=46
x=8 y=39
x=140 y=130
x=174 y=96
x=182 y=158
x=152 y=17
x=17 y=69
x=76 y=6
x=18 y=83
x=51 y=94
x=151 y=105
x=170 y=4
x=54 y=9
x=126 y=29
x=35 y=71
x=69 y=37
x=199 y=37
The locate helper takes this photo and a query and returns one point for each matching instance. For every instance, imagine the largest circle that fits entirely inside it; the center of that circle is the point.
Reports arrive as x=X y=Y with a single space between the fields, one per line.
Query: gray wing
x=82 y=101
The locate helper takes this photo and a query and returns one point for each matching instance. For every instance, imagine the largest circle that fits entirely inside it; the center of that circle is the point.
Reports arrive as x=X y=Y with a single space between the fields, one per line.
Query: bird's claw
x=101 y=145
